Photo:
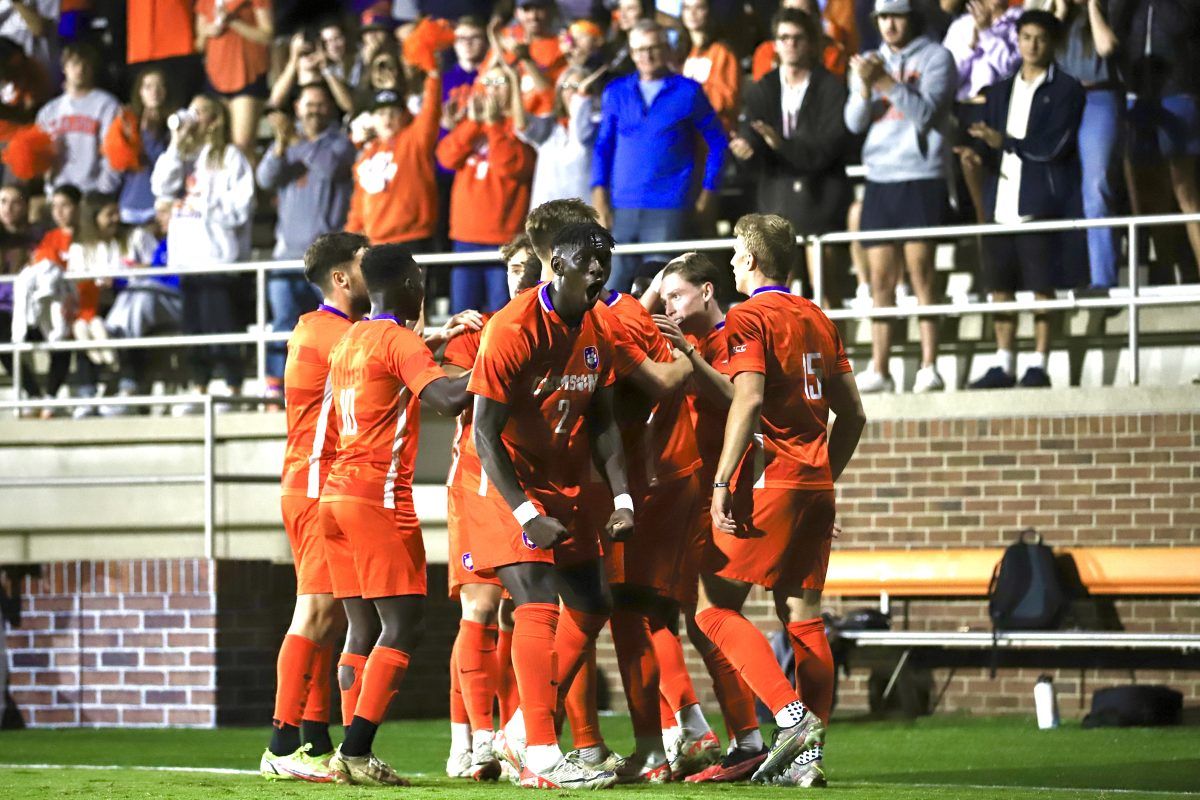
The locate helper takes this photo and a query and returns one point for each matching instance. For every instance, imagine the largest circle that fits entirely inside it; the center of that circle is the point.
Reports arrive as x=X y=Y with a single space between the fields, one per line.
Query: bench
x=894 y=574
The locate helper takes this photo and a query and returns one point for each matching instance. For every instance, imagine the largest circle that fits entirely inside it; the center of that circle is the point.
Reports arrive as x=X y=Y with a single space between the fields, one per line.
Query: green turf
x=940 y=757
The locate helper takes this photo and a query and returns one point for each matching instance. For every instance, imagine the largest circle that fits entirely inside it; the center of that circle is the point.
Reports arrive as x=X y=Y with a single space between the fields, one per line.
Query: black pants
x=208 y=307
x=60 y=362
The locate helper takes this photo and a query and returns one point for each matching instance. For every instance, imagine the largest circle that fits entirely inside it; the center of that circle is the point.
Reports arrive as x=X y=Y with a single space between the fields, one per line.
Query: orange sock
x=733 y=695
x=750 y=652
x=381 y=679
x=477 y=671
x=458 y=706
x=293 y=671
x=814 y=665
x=316 y=706
x=666 y=717
x=576 y=633
x=639 y=670
x=355 y=663
x=533 y=640
x=580 y=705
x=506 y=683
x=674 y=680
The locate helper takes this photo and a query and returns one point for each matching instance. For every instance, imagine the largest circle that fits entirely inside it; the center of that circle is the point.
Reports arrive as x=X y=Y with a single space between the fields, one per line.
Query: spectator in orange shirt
x=839 y=44
x=711 y=64
x=234 y=36
x=491 y=191
x=533 y=46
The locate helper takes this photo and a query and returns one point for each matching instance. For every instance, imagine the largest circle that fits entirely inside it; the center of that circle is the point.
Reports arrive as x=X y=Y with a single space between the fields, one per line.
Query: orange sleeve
x=503 y=355
x=461 y=350
x=747 y=343
x=407 y=357
x=354 y=219
x=724 y=84
x=124 y=152
x=429 y=120
x=508 y=156
x=841 y=14
x=458 y=144
x=763 y=61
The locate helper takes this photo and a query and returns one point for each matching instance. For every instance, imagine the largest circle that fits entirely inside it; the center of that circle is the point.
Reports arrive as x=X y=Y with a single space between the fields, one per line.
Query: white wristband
x=623 y=501
x=525 y=512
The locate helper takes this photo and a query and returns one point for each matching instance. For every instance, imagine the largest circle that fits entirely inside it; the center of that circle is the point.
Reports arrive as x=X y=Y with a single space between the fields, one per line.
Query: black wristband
x=720 y=484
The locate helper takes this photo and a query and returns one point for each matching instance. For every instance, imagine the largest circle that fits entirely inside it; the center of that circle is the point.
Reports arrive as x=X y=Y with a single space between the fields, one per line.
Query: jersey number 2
x=349 y=423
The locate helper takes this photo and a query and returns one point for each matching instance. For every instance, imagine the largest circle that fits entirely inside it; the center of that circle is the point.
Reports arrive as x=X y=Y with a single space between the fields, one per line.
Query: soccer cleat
x=298 y=766
x=484 y=766
x=805 y=772
x=458 y=764
x=788 y=744
x=737 y=765
x=638 y=769
x=871 y=382
x=568 y=773
x=995 y=378
x=1035 y=378
x=365 y=770
x=928 y=379
x=510 y=751
x=693 y=755
x=611 y=762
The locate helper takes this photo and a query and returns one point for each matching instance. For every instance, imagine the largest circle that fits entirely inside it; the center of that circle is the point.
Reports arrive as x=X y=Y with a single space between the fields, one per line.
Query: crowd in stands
x=159 y=132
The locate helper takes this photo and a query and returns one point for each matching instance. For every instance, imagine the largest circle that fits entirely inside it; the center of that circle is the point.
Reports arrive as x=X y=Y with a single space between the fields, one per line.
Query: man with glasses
x=646 y=152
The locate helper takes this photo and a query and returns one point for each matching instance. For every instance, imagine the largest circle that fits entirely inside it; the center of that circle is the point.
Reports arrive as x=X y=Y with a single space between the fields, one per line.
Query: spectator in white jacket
x=212 y=186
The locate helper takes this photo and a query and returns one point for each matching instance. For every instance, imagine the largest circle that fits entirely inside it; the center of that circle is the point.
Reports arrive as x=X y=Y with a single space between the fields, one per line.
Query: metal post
x=16 y=379
x=260 y=319
x=818 y=270
x=210 y=499
x=1134 y=369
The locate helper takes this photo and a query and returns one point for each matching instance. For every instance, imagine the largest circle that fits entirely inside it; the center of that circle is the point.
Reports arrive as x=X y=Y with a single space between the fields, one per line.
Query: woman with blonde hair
x=212 y=186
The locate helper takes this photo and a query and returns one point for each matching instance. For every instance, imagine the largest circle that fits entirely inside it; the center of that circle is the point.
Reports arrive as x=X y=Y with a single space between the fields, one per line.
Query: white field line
x=120 y=768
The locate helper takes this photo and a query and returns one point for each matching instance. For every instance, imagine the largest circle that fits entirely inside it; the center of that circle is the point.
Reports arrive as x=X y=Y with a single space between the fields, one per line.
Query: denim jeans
x=290 y=296
x=1099 y=139
x=483 y=287
x=632 y=225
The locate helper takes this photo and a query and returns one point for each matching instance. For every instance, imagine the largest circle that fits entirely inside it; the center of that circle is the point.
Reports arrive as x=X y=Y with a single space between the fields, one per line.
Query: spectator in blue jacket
x=1028 y=136
x=646 y=152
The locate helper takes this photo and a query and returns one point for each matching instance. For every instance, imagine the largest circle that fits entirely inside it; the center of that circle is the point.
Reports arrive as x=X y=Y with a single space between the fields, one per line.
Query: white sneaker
x=871 y=382
x=928 y=380
x=458 y=764
x=485 y=765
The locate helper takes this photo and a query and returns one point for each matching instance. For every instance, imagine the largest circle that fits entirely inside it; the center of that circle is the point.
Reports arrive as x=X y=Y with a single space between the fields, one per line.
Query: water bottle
x=1046 y=703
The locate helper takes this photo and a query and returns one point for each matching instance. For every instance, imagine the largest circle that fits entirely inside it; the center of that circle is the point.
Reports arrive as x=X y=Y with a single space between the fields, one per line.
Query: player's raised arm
x=490 y=418
x=743 y=418
x=710 y=383
x=447 y=396
x=845 y=431
x=609 y=455
x=658 y=379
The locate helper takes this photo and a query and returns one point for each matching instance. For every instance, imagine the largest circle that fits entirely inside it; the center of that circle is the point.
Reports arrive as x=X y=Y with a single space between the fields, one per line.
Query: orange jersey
x=547 y=373
x=312 y=427
x=708 y=418
x=378 y=371
x=790 y=341
x=465 y=466
x=716 y=69
x=395 y=191
x=660 y=442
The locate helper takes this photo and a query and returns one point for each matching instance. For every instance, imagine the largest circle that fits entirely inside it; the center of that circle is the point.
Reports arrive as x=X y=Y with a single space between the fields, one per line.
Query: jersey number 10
x=346 y=401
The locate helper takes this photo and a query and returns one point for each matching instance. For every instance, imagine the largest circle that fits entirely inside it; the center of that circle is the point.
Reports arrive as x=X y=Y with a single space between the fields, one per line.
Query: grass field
x=939 y=757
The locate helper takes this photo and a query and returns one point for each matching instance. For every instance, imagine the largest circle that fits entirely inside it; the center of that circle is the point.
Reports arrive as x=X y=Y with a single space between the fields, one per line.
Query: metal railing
x=260 y=336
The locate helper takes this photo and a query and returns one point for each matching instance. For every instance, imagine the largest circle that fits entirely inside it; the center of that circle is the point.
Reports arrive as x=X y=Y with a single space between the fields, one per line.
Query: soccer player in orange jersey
x=693 y=322
x=484 y=632
x=378 y=372
x=543 y=375
x=773 y=520
x=300 y=747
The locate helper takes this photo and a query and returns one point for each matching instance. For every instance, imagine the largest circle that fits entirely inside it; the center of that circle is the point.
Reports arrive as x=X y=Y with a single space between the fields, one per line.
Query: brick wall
x=974 y=483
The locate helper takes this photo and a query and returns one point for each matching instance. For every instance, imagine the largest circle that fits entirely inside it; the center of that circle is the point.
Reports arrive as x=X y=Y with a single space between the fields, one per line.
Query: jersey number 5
x=812 y=376
x=349 y=423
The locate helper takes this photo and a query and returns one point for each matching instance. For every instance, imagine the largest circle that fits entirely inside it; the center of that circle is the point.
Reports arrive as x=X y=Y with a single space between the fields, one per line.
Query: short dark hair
x=329 y=251
x=578 y=235
x=1043 y=19
x=69 y=191
x=545 y=221
x=84 y=52
x=517 y=244
x=386 y=264
x=471 y=21
x=771 y=239
x=320 y=86
x=801 y=19
x=695 y=268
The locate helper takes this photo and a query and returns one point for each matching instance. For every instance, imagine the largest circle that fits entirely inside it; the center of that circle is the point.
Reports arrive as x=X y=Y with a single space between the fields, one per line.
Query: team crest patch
x=591 y=357
x=528 y=542
x=468 y=563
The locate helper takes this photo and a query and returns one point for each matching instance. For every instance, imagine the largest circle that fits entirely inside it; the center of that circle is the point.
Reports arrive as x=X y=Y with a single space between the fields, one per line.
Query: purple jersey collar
x=332 y=310
x=762 y=289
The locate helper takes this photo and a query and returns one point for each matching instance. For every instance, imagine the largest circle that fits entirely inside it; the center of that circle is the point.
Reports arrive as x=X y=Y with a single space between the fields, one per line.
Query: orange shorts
x=500 y=544
x=687 y=587
x=373 y=551
x=308 y=546
x=786 y=544
x=663 y=523
x=468 y=513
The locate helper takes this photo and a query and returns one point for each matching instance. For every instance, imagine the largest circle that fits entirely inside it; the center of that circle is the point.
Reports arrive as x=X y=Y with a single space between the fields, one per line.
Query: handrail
x=260 y=336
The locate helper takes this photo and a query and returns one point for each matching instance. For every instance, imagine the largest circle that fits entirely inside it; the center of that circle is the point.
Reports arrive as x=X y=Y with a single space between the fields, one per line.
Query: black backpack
x=1122 y=706
x=1027 y=592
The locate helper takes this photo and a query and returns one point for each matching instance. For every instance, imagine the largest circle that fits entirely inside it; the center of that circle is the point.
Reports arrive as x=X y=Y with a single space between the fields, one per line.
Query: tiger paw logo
x=468 y=562
x=528 y=542
x=376 y=172
x=591 y=357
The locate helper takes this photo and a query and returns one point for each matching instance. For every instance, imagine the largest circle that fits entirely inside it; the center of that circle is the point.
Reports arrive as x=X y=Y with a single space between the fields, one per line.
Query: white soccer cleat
x=365 y=770
x=510 y=751
x=640 y=769
x=788 y=744
x=567 y=773
x=298 y=766
x=458 y=764
x=485 y=765
x=805 y=772
x=694 y=755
